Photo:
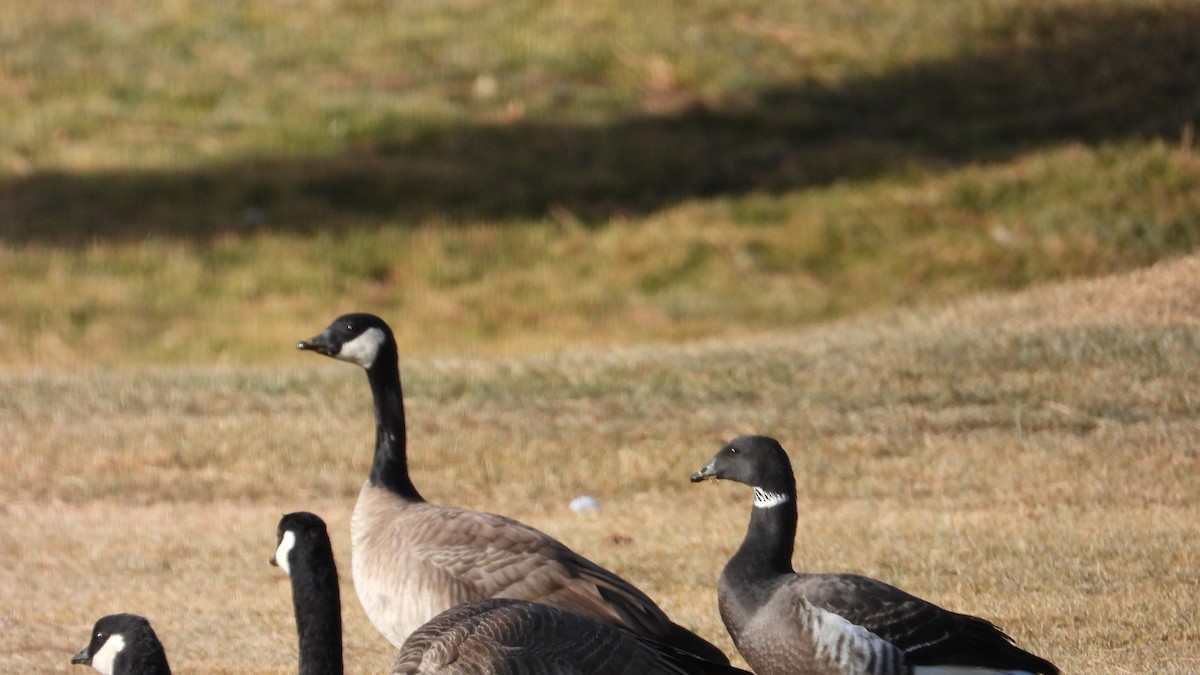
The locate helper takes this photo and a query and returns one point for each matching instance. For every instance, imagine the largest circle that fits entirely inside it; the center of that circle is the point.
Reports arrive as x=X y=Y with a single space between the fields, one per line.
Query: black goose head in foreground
x=785 y=622
x=124 y=644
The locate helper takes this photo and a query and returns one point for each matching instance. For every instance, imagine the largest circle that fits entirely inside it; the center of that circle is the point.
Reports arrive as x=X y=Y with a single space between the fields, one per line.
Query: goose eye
x=733 y=451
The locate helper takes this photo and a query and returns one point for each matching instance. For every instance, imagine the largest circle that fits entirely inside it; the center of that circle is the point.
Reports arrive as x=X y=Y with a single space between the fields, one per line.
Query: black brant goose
x=835 y=624
x=411 y=559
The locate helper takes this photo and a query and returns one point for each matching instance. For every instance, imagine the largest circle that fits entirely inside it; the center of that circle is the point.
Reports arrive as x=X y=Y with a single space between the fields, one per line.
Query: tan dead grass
x=1163 y=295
x=1029 y=458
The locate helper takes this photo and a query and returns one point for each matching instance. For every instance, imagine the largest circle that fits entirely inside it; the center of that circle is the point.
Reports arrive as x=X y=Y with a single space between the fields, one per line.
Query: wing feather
x=925 y=632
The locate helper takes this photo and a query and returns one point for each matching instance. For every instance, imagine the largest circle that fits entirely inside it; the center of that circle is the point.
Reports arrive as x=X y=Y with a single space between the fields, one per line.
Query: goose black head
x=297 y=534
x=122 y=643
x=757 y=461
x=357 y=338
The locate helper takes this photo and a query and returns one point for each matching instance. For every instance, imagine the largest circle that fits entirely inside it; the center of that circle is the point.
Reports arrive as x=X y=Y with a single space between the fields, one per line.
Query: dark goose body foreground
x=124 y=644
x=411 y=559
x=496 y=636
x=835 y=624
x=503 y=636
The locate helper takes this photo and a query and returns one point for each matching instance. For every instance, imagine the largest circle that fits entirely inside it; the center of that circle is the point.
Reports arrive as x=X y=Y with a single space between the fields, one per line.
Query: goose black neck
x=390 y=466
x=150 y=659
x=318 y=606
x=770 y=539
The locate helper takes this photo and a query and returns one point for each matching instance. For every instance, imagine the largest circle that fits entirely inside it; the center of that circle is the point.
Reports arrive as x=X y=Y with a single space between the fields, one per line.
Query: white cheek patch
x=363 y=349
x=765 y=500
x=106 y=656
x=286 y=544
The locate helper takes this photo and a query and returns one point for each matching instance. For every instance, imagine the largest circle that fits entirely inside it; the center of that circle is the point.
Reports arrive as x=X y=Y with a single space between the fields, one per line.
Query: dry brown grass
x=1030 y=458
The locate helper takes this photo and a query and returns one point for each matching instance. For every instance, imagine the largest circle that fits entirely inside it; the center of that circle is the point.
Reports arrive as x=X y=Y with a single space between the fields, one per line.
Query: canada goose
x=303 y=552
x=834 y=624
x=493 y=636
x=124 y=644
x=411 y=559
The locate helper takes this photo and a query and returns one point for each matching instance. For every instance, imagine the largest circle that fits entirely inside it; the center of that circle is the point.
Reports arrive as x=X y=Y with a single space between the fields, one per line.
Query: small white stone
x=584 y=503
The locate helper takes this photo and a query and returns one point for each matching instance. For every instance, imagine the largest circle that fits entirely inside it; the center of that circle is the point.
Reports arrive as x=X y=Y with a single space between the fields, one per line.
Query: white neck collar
x=765 y=500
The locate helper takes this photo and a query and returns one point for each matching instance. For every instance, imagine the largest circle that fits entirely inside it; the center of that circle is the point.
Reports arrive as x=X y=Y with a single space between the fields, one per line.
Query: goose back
x=503 y=636
x=443 y=556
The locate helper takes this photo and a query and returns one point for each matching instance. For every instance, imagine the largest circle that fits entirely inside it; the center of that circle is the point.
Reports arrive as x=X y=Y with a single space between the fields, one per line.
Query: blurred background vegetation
x=188 y=183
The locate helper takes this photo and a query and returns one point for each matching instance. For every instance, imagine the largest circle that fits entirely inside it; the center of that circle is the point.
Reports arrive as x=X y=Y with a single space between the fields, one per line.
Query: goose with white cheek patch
x=124 y=644
x=782 y=621
x=411 y=559
x=303 y=552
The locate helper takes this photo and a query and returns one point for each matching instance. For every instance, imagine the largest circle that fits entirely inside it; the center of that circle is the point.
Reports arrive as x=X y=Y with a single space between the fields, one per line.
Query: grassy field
x=1030 y=458
x=189 y=183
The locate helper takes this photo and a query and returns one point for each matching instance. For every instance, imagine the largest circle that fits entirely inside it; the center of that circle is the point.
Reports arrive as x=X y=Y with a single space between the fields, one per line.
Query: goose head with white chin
x=357 y=338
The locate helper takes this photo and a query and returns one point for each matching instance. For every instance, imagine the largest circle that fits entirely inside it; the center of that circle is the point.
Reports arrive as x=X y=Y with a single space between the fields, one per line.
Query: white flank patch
x=286 y=544
x=104 y=658
x=964 y=670
x=846 y=646
x=363 y=349
x=765 y=500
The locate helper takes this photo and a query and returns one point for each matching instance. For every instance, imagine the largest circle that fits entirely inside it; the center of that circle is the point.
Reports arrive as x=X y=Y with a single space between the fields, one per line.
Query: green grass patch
x=531 y=176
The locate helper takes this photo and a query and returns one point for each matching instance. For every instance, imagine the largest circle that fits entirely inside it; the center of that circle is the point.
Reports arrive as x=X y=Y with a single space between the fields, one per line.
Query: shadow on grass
x=1042 y=77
